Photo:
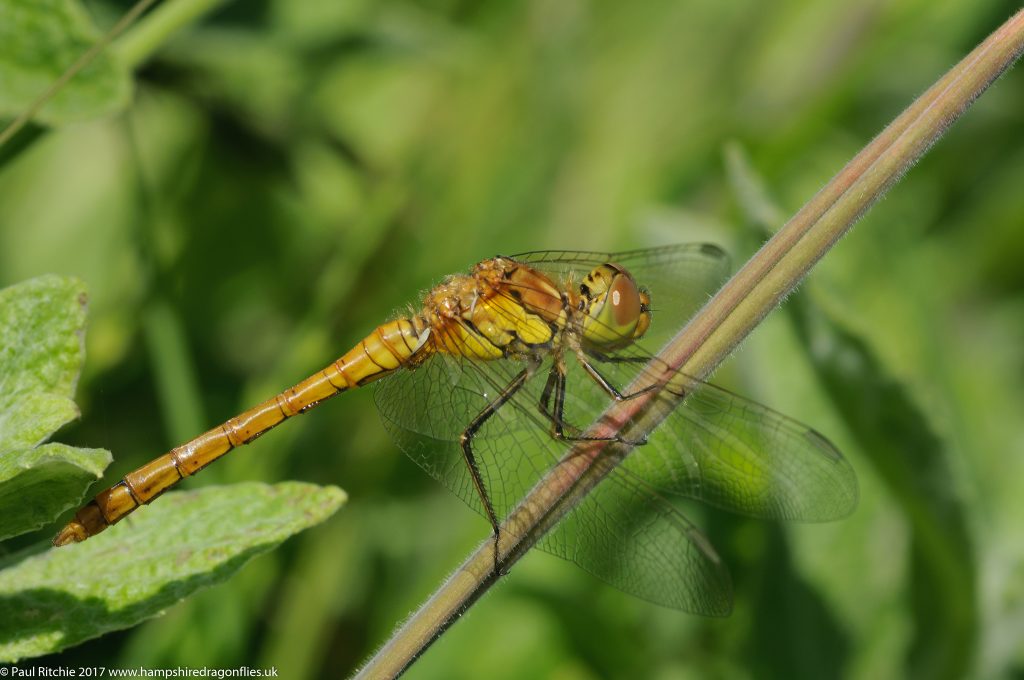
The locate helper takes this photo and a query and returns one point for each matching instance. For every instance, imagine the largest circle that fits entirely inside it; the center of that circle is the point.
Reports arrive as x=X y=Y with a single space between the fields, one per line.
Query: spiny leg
x=545 y=396
x=466 y=441
x=606 y=384
x=608 y=387
x=611 y=359
x=556 y=384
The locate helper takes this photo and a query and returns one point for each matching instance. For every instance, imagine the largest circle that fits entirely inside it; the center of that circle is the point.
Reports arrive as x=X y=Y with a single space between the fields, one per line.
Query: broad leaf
x=42 y=326
x=37 y=485
x=39 y=40
x=133 y=571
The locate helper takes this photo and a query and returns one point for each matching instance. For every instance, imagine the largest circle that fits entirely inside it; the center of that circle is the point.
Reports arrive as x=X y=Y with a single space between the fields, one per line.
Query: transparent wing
x=656 y=257
x=622 y=532
x=714 y=446
x=717 y=446
x=427 y=409
x=725 y=450
x=626 y=535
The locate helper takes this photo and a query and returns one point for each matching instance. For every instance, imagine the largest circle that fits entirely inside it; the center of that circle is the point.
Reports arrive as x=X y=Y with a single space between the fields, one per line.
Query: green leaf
x=39 y=40
x=133 y=571
x=42 y=328
x=37 y=485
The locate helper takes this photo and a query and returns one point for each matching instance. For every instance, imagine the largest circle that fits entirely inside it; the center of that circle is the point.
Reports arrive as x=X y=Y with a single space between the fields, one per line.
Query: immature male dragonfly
x=501 y=369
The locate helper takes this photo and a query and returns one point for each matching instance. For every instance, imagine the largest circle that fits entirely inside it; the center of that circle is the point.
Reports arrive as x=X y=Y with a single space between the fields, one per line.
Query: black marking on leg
x=610 y=359
x=607 y=386
x=466 y=442
x=556 y=385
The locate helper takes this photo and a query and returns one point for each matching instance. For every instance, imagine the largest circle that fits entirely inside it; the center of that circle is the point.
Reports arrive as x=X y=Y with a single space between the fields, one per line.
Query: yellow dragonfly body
x=499 y=369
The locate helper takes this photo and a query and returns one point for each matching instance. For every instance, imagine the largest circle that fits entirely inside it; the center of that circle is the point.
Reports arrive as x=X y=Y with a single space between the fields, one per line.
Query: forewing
x=626 y=535
x=621 y=532
x=759 y=462
x=730 y=452
x=715 y=447
x=426 y=410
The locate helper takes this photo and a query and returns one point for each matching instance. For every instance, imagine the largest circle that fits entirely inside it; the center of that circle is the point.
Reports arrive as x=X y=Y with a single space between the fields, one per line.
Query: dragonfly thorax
x=501 y=308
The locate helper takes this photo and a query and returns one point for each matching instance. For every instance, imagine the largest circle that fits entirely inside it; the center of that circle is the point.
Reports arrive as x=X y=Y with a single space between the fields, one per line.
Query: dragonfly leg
x=680 y=392
x=545 y=396
x=556 y=384
x=466 y=441
x=604 y=383
x=609 y=359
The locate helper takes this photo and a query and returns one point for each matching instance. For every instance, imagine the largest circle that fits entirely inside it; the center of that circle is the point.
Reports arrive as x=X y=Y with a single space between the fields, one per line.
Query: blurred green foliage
x=289 y=173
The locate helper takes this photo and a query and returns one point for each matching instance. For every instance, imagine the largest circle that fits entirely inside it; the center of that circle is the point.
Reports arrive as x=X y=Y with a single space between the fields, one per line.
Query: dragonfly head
x=616 y=310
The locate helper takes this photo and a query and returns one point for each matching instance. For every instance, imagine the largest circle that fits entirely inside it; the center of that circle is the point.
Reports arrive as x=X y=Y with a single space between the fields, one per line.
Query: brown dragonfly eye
x=617 y=310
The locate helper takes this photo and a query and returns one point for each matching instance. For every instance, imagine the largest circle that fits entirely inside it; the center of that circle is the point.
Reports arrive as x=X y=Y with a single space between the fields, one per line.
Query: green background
x=289 y=173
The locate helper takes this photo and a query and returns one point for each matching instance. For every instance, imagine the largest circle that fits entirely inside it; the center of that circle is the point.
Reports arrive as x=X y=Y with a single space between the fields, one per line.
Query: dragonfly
x=489 y=381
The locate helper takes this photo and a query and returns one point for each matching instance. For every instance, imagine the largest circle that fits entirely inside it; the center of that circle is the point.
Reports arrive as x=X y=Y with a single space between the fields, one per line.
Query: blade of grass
x=709 y=337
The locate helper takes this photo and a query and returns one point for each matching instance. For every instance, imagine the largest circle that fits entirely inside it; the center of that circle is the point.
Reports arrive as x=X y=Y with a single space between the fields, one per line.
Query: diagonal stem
x=133 y=49
x=711 y=335
x=83 y=61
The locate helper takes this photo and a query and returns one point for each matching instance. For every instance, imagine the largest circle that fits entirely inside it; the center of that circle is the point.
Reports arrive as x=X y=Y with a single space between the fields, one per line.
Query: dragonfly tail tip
x=73 y=532
x=88 y=522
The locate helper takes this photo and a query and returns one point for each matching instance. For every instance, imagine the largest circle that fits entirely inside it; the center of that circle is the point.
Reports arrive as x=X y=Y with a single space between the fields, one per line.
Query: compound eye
x=615 y=315
x=644 y=322
x=624 y=303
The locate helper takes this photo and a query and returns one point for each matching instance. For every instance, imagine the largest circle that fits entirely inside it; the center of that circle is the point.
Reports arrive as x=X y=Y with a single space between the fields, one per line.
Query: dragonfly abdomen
x=387 y=348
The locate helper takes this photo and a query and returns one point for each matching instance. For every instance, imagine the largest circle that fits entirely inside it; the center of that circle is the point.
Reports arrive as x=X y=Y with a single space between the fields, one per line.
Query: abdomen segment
x=387 y=348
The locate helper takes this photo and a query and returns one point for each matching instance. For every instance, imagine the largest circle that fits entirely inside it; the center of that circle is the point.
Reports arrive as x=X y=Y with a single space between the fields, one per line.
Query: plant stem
x=710 y=336
x=87 y=58
x=133 y=49
x=151 y=33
